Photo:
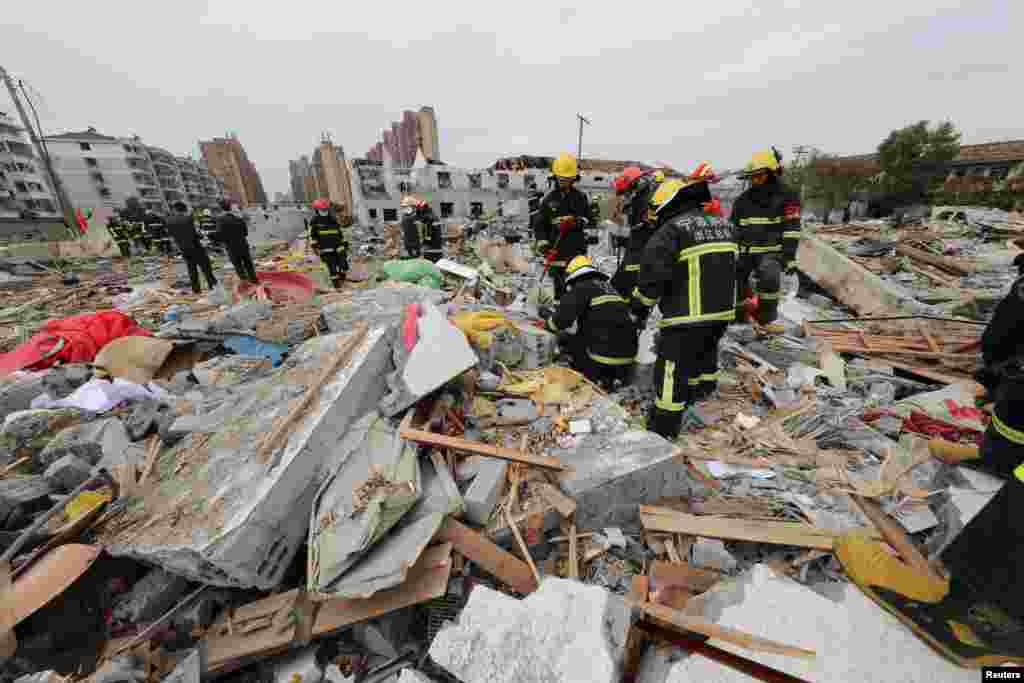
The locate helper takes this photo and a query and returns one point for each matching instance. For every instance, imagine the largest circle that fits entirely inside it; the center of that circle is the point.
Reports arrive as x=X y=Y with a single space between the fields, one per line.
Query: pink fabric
x=410 y=333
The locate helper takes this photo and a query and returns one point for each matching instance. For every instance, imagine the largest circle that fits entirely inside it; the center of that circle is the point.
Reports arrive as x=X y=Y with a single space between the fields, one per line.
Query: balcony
x=173 y=196
x=168 y=182
x=144 y=179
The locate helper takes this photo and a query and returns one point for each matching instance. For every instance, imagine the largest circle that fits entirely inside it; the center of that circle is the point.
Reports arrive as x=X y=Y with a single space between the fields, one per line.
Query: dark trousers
x=336 y=261
x=196 y=258
x=603 y=374
x=682 y=356
x=706 y=381
x=558 y=280
x=126 y=247
x=769 y=284
x=433 y=255
x=241 y=259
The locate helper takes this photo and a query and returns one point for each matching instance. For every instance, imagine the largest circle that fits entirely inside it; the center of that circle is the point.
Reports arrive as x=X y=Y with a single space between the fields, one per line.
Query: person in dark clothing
x=768 y=216
x=688 y=270
x=431 y=233
x=233 y=233
x=559 y=224
x=327 y=240
x=156 y=232
x=604 y=345
x=182 y=230
x=411 y=239
x=133 y=216
x=121 y=234
x=637 y=188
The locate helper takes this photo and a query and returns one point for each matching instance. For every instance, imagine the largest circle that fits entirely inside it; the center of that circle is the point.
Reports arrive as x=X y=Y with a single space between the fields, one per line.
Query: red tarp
x=281 y=288
x=71 y=340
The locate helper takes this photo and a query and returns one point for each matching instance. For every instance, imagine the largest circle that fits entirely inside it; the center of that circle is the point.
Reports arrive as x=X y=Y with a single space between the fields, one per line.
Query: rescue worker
x=134 y=218
x=976 y=616
x=156 y=232
x=233 y=232
x=182 y=229
x=768 y=216
x=560 y=222
x=208 y=228
x=604 y=344
x=688 y=269
x=431 y=232
x=120 y=233
x=327 y=240
x=411 y=240
x=636 y=188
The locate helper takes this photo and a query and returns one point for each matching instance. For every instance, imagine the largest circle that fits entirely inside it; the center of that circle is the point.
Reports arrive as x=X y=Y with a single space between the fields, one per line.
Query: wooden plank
x=427 y=580
x=848 y=348
x=780 y=533
x=670 y=548
x=565 y=505
x=894 y=535
x=684 y=575
x=636 y=638
x=674 y=618
x=928 y=337
x=248 y=633
x=152 y=455
x=574 y=556
x=493 y=559
x=522 y=546
x=942 y=378
x=941 y=262
x=280 y=432
x=478 y=448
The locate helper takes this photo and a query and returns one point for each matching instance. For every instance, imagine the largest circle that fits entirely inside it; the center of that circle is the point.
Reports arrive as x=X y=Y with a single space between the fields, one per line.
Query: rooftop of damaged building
x=402 y=480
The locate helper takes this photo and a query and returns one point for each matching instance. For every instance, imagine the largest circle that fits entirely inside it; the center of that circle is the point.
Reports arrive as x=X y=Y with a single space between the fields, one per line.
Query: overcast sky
x=678 y=82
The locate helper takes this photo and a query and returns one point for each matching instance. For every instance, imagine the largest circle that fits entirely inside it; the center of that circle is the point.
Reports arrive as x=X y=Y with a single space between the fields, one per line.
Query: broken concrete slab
x=441 y=354
x=18 y=491
x=242 y=317
x=482 y=495
x=223 y=510
x=61 y=382
x=765 y=604
x=852 y=284
x=385 y=636
x=68 y=473
x=27 y=432
x=387 y=563
x=565 y=631
x=348 y=515
x=710 y=553
x=413 y=676
x=379 y=307
x=18 y=392
x=102 y=440
x=616 y=467
x=230 y=370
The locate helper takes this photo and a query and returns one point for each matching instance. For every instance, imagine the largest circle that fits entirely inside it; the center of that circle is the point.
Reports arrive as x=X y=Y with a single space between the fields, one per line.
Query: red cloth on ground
x=84 y=335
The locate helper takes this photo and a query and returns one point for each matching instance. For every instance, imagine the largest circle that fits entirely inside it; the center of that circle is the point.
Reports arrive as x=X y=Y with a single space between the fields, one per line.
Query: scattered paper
x=579 y=426
x=747 y=421
x=720 y=470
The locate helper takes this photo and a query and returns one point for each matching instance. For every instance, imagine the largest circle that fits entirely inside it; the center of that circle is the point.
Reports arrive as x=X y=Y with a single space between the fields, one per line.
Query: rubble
x=334 y=477
x=565 y=631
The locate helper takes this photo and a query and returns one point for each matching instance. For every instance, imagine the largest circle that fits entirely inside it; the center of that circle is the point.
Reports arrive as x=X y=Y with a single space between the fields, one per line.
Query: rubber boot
x=664 y=423
x=960 y=624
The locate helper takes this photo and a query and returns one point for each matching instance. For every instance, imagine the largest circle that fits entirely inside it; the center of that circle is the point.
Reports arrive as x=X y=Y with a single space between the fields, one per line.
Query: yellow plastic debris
x=478 y=325
x=548 y=385
x=85 y=502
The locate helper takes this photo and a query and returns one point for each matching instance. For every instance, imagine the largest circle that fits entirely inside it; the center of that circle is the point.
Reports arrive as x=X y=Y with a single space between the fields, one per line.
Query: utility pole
x=579 y=144
x=62 y=200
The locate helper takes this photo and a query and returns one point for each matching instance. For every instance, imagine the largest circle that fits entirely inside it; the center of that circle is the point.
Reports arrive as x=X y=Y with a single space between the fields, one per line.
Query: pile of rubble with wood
x=402 y=480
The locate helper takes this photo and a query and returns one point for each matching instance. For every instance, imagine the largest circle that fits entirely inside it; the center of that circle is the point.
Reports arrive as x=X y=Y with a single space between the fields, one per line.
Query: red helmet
x=321 y=204
x=625 y=181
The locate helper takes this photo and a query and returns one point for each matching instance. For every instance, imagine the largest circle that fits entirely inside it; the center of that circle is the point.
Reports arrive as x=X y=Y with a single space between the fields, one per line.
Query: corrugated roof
x=1011 y=150
x=84 y=135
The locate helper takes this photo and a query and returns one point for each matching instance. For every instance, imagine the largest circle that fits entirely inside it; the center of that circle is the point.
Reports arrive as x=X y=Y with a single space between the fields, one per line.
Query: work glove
x=541 y=248
x=545 y=312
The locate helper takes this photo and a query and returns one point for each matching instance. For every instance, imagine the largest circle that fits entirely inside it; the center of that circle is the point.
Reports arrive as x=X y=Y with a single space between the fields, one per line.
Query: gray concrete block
x=91 y=441
x=379 y=307
x=15 y=396
x=565 y=631
x=616 y=468
x=27 y=432
x=249 y=513
x=61 y=382
x=17 y=491
x=482 y=495
x=710 y=553
x=68 y=473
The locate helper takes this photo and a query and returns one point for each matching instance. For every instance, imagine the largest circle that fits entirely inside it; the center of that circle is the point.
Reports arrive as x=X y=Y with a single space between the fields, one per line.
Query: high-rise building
x=335 y=180
x=226 y=158
x=416 y=131
x=23 y=189
x=298 y=170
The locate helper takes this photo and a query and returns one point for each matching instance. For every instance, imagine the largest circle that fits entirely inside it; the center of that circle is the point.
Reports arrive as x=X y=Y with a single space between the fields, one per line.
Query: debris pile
x=401 y=480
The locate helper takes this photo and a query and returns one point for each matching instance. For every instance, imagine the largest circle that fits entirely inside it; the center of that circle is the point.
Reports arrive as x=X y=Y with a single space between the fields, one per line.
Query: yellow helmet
x=565 y=166
x=666 y=192
x=659 y=176
x=765 y=160
x=578 y=266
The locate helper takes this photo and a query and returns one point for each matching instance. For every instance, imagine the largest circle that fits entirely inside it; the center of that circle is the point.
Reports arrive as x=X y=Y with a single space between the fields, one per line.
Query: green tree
x=914 y=158
x=831 y=179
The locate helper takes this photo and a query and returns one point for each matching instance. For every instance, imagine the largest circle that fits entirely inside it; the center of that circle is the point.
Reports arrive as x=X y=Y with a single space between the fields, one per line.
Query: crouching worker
x=603 y=345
